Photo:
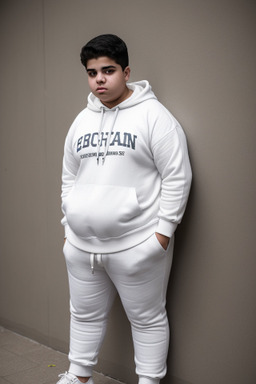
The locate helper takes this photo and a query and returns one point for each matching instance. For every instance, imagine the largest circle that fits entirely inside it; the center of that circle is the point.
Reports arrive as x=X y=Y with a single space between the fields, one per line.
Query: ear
x=127 y=72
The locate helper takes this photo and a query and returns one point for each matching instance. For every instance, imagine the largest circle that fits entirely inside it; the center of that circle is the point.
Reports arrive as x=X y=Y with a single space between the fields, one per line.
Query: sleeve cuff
x=166 y=228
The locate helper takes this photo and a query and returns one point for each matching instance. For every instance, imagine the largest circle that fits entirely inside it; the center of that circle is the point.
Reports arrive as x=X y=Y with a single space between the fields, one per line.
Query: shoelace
x=65 y=376
x=71 y=380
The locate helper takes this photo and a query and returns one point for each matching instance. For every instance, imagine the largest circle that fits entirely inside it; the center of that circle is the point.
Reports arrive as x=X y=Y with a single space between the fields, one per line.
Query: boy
x=126 y=179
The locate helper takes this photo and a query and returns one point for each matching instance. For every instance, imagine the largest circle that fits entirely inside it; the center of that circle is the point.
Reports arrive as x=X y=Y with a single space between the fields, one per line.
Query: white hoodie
x=126 y=173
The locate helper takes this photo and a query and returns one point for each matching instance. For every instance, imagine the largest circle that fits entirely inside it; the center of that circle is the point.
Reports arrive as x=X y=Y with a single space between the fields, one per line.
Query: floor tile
x=47 y=356
x=31 y=376
x=7 y=337
x=11 y=363
x=3 y=381
x=21 y=346
x=24 y=361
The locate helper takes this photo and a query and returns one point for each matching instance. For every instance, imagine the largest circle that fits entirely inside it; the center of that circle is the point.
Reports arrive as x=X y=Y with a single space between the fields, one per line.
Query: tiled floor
x=23 y=361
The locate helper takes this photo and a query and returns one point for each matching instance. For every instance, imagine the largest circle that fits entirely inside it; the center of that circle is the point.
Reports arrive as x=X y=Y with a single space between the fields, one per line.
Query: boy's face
x=107 y=81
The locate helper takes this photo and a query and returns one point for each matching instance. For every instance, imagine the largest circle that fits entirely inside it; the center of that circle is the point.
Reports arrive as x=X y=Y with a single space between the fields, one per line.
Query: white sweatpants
x=140 y=276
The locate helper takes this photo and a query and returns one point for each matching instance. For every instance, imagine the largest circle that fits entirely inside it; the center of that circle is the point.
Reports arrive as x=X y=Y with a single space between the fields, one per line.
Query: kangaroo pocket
x=101 y=211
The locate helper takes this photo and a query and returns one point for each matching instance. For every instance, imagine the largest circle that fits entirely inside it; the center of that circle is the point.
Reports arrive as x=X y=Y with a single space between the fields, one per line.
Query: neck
x=126 y=94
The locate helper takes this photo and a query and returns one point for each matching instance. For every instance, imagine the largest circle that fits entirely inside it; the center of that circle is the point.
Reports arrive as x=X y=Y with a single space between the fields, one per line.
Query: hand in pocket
x=163 y=240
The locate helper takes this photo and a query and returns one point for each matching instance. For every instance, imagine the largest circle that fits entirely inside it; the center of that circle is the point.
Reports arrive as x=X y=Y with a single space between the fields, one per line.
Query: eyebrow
x=103 y=68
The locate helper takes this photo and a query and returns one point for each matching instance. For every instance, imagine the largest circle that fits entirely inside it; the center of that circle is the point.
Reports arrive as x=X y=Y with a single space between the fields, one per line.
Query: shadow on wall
x=183 y=238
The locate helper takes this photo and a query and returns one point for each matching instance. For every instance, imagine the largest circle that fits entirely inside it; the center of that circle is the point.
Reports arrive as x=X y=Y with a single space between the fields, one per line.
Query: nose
x=100 y=78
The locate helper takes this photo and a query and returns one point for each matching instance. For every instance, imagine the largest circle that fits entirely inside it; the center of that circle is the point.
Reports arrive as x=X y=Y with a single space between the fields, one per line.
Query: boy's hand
x=163 y=240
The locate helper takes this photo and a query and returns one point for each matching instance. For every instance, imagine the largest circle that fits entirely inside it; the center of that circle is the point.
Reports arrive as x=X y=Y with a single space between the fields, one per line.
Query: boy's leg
x=91 y=297
x=141 y=275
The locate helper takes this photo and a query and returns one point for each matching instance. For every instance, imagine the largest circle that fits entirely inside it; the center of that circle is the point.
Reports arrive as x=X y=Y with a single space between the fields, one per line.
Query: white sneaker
x=69 y=378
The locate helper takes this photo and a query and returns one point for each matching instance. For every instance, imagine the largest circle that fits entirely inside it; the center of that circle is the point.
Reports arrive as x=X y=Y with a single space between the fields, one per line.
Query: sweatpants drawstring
x=97 y=257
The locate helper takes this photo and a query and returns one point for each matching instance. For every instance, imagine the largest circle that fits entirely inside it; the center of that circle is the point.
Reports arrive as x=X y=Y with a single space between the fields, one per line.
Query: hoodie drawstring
x=99 y=134
x=109 y=135
x=93 y=257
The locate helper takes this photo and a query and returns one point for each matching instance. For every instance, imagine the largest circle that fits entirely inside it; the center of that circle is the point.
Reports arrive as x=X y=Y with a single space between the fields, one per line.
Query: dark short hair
x=106 y=45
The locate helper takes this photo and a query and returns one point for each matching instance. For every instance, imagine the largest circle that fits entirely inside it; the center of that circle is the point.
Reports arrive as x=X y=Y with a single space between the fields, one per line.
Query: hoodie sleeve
x=69 y=171
x=171 y=158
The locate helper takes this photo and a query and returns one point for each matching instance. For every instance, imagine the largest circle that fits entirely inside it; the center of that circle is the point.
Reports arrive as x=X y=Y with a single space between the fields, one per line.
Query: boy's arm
x=172 y=161
x=69 y=171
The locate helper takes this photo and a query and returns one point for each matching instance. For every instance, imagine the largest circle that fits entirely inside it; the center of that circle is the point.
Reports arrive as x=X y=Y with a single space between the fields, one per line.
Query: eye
x=92 y=73
x=109 y=71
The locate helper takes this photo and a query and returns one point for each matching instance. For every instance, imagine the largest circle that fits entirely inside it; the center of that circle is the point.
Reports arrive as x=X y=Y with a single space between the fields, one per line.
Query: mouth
x=101 y=89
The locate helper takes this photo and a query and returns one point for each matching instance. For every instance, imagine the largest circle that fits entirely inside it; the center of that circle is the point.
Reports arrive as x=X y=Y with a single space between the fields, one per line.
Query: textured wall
x=200 y=58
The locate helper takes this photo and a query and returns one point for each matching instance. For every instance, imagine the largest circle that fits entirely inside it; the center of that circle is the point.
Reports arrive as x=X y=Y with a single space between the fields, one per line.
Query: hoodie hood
x=142 y=91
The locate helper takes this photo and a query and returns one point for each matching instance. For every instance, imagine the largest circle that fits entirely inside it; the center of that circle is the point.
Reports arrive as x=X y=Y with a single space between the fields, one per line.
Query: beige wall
x=199 y=56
